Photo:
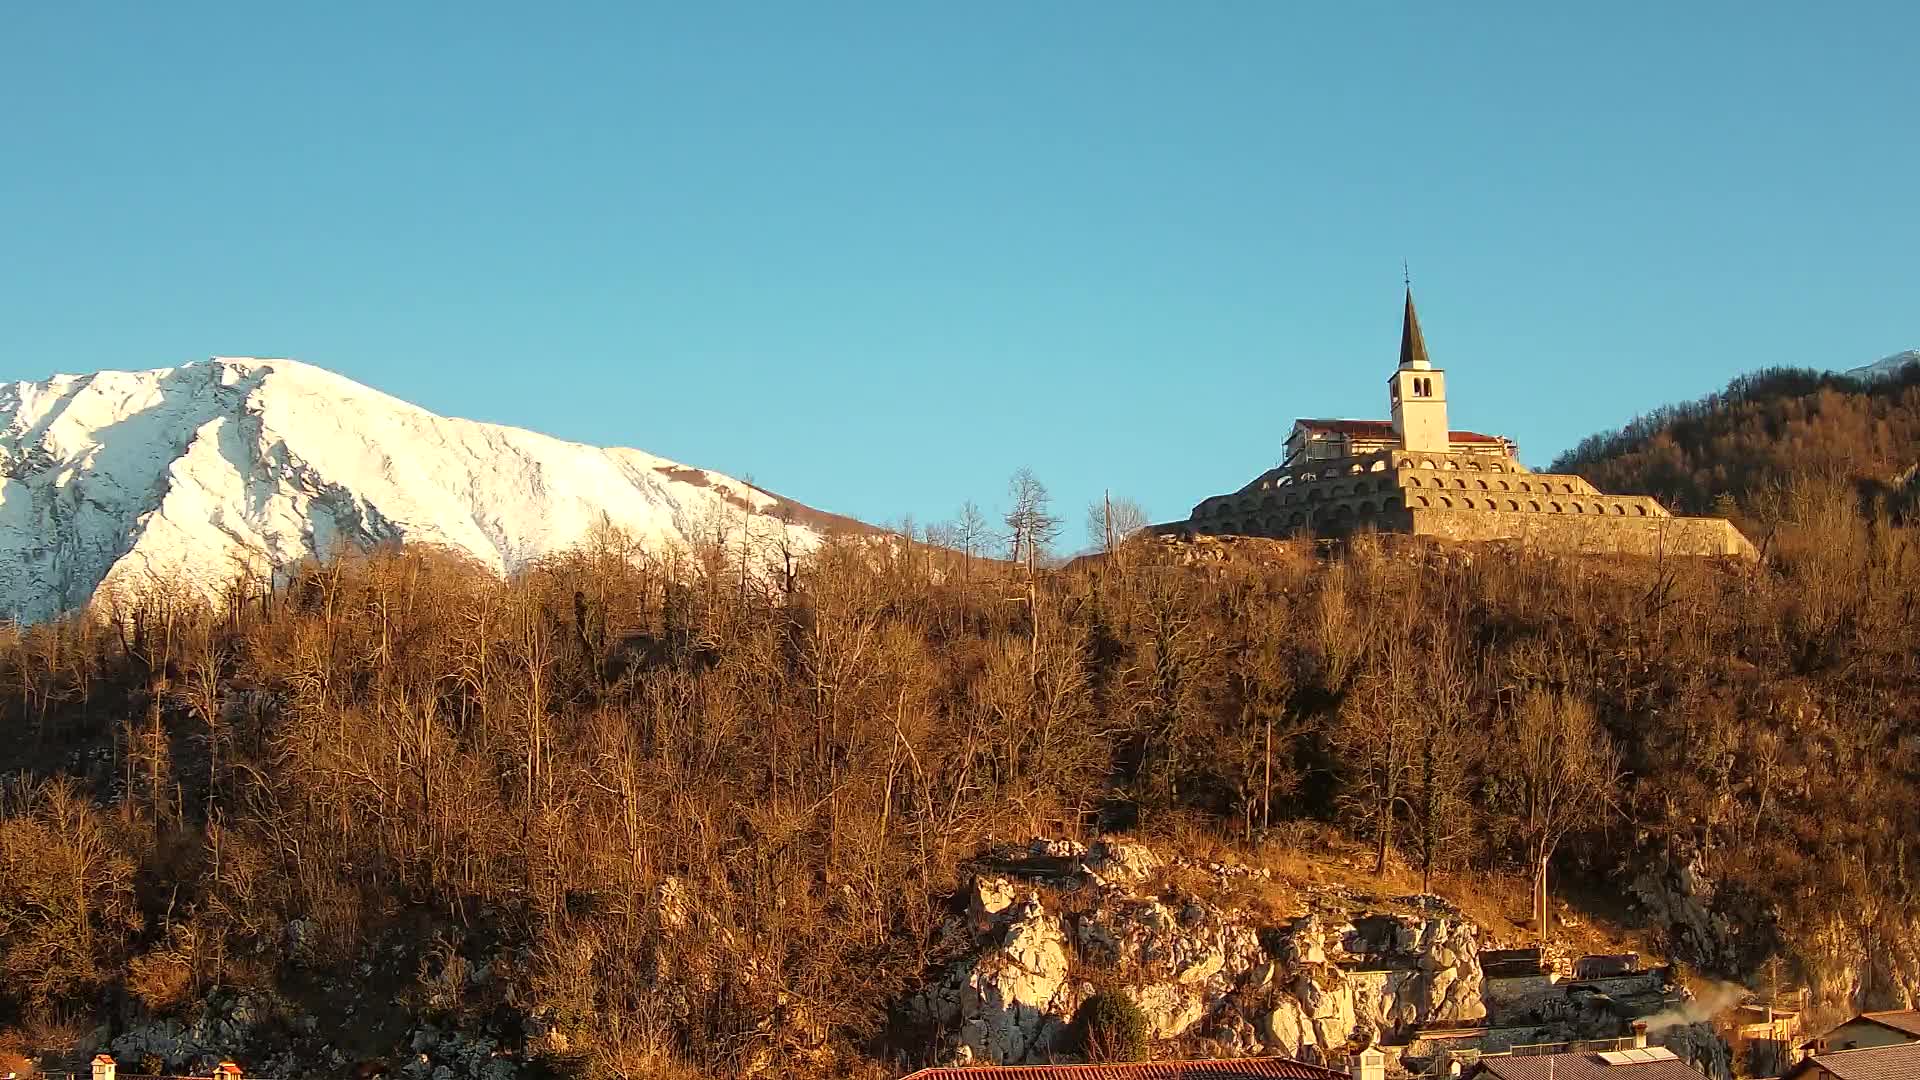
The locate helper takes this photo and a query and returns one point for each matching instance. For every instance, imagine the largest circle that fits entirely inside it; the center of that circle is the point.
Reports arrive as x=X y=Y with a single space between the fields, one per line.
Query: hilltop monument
x=1415 y=474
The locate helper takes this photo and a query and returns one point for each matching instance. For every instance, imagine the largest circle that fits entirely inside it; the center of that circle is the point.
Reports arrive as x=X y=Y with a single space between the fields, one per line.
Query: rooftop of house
x=1645 y=1063
x=1271 y=1068
x=1901 y=1061
x=1905 y=1021
x=1379 y=429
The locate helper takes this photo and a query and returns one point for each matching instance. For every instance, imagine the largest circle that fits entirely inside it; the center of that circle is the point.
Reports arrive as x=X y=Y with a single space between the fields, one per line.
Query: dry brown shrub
x=161 y=978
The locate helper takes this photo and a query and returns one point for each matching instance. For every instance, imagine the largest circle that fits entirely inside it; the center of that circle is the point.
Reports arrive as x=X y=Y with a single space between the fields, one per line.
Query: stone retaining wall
x=1588 y=535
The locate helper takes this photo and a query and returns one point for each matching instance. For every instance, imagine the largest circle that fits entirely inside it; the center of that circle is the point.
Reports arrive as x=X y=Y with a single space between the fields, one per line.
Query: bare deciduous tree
x=1032 y=526
x=1111 y=521
x=1561 y=771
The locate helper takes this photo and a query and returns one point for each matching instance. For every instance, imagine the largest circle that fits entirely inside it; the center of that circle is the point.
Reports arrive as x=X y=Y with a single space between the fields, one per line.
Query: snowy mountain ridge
x=1886 y=368
x=196 y=472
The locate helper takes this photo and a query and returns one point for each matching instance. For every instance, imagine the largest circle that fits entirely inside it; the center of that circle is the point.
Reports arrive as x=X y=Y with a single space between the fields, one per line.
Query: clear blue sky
x=879 y=255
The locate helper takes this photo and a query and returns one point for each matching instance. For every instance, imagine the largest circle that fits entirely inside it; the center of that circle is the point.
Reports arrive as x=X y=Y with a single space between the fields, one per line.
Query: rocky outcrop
x=219 y=1028
x=1037 y=937
x=1428 y=969
x=1849 y=964
x=1700 y=1046
x=1678 y=897
x=1012 y=1000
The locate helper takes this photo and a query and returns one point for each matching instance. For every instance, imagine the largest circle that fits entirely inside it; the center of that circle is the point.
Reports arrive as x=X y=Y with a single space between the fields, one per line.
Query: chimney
x=1368 y=1064
x=102 y=1067
x=1639 y=1034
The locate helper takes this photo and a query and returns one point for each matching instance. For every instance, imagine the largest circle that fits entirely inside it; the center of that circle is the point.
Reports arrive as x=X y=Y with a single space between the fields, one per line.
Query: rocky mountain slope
x=205 y=470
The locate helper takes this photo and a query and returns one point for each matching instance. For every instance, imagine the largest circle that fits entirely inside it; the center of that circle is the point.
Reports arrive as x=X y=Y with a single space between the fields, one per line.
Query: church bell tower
x=1419 y=392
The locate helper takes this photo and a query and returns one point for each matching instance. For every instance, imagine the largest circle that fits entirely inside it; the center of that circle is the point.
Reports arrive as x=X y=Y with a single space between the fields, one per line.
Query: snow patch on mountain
x=198 y=472
x=1887 y=368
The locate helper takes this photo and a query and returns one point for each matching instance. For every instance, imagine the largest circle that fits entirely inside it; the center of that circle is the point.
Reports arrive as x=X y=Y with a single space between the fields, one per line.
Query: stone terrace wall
x=1458 y=497
x=1588 y=534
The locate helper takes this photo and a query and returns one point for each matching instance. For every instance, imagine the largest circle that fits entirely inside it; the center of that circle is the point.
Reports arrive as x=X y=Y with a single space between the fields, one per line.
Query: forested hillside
x=1741 y=446
x=518 y=786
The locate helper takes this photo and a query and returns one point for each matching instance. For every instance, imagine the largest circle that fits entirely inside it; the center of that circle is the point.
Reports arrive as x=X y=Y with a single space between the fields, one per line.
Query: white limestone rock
x=988 y=899
x=1286 y=1030
x=1171 y=1010
x=1121 y=861
x=1011 y=1003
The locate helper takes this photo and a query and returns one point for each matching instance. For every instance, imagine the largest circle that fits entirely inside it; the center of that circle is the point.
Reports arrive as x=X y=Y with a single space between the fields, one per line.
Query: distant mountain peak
x=189 y=473
x=1881 y=369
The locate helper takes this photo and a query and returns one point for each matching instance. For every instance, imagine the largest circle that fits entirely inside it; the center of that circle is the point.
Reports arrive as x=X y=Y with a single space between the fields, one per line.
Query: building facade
x=1415 y=474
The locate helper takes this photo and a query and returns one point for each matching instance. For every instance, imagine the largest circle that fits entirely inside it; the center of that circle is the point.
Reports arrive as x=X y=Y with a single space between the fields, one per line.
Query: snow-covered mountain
x=1881 y=369
x=195 y=472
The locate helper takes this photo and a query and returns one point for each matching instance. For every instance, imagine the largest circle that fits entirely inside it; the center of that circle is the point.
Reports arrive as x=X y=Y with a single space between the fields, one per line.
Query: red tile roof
x=1901 y=1061
x=1382 y=429
x=1271 y=1068
x=1587 y=1066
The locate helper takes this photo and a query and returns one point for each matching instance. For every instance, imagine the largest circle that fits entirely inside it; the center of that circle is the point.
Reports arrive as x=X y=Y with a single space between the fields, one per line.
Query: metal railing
x=1577 y=1046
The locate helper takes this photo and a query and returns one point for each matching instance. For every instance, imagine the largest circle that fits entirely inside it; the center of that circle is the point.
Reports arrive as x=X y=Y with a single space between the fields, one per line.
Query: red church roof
x=1382 y=429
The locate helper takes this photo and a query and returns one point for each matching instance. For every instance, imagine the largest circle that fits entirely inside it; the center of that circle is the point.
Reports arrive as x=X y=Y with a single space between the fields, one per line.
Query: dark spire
x=1413 y=348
